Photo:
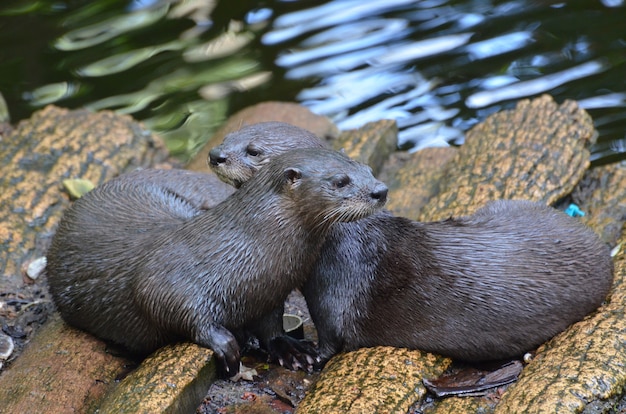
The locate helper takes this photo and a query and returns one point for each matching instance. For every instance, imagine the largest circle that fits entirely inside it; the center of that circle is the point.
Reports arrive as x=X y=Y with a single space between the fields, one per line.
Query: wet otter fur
x=127 y=265
x=243 y=152
x=200 y=191
x=489 y=286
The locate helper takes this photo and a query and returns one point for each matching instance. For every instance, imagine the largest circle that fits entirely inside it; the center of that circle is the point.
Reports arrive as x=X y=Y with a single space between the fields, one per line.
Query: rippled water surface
x=437 y=67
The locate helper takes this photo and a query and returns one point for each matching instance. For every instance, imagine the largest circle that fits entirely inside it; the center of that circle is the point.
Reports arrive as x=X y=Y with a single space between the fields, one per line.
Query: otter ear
x=292 y=175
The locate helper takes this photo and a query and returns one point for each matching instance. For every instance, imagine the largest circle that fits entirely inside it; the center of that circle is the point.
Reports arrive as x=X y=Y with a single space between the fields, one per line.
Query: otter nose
x=216 y=157
x=380 y=193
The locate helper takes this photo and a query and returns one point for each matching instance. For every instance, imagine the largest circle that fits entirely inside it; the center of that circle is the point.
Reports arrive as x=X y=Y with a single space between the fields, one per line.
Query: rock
x=55 y=144
x=372 y=380
x=371 y=144
x=6 y=346
x=539 y=151
x=413 y=179
x=35 y=268
x=602 y=196
x=267 y=111
x=172 y=380
x=63 y=370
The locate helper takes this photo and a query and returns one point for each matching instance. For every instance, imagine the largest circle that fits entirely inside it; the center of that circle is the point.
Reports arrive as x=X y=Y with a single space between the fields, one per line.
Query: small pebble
x=36 y=267
x=6 y=346
x=528 y=357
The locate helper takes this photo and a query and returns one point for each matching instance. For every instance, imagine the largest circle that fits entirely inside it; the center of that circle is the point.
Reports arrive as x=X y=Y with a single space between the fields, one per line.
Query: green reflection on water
x=161 y=64
x=98 y=33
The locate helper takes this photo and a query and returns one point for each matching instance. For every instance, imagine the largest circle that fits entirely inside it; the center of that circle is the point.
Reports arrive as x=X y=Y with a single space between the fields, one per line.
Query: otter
x=198 y=191
x=489 y=286
x=243 y=152
x=135 y=265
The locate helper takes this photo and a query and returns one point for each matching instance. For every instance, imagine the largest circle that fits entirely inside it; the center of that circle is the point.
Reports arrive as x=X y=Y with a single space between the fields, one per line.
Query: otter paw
x=293 y=354
x=225 y=348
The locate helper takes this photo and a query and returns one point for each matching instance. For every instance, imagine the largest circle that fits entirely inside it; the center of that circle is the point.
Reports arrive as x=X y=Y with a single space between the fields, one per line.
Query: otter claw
x=292 y=353
x=311 y=360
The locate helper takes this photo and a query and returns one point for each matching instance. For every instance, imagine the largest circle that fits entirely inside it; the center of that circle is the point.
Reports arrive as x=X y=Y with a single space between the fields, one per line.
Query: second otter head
x=322 y=186
x=245 y=151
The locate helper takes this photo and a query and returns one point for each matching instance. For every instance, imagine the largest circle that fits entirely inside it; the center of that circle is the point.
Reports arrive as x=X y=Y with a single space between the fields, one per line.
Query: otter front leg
x=223 y=344
x=289 y=352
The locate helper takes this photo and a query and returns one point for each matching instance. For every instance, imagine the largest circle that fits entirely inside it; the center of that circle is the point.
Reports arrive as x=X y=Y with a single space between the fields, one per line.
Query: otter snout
x=379 y=193
x=217 y=157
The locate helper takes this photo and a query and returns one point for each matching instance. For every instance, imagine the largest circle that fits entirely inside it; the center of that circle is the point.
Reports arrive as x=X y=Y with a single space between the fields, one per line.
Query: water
x=437 y=67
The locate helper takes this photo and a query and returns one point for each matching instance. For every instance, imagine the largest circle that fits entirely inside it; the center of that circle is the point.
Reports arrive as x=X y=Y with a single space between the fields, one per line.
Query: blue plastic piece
x=574 y=211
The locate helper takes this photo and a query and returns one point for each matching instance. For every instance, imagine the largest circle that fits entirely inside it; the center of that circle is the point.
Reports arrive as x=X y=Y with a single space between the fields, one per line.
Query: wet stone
x=371 y=144
x=538 y=151
x=413 y=179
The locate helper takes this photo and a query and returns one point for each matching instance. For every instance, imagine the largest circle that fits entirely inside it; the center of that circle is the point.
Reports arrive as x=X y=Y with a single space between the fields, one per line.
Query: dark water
x=437 y=67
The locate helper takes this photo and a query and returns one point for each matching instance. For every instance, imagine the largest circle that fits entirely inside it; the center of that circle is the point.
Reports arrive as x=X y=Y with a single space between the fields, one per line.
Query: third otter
x=244 y=152
x=489 y=286
x=136 y=264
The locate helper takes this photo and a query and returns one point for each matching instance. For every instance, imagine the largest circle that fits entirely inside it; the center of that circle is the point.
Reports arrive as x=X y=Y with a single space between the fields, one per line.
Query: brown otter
x=492 y=285
x=488 y=286
x=127 y=265
x=243 y=152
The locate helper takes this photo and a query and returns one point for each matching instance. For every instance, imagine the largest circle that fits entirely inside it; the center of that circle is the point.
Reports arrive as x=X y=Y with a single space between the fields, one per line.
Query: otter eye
x=341 y=181
x=253 y=152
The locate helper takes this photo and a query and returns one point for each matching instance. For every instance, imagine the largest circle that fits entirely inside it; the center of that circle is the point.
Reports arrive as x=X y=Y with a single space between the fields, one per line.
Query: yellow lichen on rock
x=53 y=145
x=602 y=196
x=172 y=380
x=371 y=144
x=372 y=380
x=413 y=179
x=537 y=151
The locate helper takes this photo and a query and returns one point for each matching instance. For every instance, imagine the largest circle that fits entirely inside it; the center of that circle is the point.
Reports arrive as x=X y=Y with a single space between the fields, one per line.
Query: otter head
x=244 y=152
x=325 y=186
